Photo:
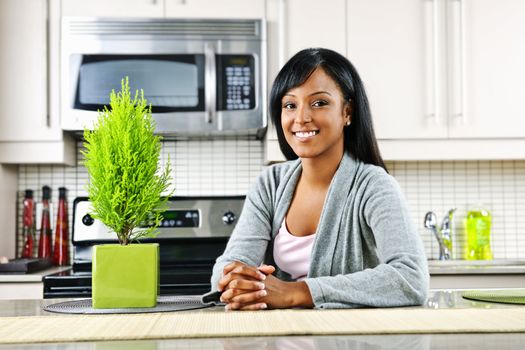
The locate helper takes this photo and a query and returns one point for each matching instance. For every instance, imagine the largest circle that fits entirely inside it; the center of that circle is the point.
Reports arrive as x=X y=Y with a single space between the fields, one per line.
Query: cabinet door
x=113 y=8
x=313 y=23
x=396 y=48
x=488 y=68
x=294 y=25
x=215 y=9
x=23 y=68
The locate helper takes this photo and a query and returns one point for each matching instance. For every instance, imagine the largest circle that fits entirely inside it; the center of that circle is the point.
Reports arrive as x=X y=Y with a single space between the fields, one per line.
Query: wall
x=228 y=166
x=440 y=186
x=201 y=167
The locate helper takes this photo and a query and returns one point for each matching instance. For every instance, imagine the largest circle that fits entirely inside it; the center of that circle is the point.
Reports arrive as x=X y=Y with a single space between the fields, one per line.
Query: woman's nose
x=303 y=115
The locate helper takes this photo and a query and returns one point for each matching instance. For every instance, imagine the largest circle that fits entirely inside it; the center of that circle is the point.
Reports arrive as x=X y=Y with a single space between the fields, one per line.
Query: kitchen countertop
x=476 y=267
x=436 y=267
x=438 y=299
x=362 y=342
x=31 y=277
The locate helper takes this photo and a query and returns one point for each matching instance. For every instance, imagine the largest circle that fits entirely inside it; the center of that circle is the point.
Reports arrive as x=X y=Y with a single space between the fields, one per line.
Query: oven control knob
x=228 y=218
x=88 y=220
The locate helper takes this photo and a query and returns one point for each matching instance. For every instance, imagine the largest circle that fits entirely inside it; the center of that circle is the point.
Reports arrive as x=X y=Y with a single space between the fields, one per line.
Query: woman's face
x=313 y=117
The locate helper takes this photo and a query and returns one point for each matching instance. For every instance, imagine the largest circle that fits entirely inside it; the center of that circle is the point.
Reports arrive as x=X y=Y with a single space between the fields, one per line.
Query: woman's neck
x=319 y=171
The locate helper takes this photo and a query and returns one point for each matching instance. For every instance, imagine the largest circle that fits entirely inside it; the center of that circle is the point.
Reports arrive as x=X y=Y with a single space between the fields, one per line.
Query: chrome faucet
x=444 y=235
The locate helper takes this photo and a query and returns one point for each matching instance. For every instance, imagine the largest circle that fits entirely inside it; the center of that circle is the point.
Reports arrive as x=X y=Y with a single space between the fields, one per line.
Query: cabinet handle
x=281 y=20
x=456 y=51
x=47 y=60
x=433 y=64
x=210 y=82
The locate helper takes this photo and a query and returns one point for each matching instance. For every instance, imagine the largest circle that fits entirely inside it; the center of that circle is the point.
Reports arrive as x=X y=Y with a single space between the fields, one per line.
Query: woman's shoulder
x=277 y=172
x=271 y=182
x=375 y=175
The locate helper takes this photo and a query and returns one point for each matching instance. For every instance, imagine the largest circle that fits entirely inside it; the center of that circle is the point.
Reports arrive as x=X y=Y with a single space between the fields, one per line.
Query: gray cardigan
x=366 y=251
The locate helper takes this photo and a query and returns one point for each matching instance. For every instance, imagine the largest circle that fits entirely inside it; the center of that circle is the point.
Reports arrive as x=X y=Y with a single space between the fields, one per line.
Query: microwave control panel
x=236 y=82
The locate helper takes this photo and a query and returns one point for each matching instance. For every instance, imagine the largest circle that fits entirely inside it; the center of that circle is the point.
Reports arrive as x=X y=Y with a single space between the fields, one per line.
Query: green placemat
x=510 y=296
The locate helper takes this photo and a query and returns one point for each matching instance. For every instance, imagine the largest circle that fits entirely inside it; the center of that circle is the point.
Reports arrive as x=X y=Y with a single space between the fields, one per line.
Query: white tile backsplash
x=440 y=186
x=229 y=166
x=199 y=167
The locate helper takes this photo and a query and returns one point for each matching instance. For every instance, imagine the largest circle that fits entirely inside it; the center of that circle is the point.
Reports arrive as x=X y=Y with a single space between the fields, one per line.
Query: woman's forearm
x=300 y=295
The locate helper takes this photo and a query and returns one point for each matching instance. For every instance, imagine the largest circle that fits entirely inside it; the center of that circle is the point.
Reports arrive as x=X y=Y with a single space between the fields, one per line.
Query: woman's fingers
x=227 y=269
x=248 y=298
x=249 y=271
x=241 y=296
x=238 y=287
x=245 y=284
x=266 y=269
x=239 y=271
x=238 y=306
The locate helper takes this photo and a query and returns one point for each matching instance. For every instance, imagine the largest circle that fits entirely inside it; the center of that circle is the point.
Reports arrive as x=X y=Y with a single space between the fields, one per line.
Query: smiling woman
x=314 y=115
x=329 y=228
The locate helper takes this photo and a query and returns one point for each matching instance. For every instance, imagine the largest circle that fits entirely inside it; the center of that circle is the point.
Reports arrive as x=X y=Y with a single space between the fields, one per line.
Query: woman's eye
x=319 y=103
x=288 y=105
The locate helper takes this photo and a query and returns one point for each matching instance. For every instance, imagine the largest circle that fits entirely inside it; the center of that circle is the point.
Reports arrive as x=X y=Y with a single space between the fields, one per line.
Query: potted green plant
x=126 y=189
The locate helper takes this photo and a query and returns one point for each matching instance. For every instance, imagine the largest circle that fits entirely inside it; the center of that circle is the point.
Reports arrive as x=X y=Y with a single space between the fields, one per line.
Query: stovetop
x=194 y=232
x=190 y=279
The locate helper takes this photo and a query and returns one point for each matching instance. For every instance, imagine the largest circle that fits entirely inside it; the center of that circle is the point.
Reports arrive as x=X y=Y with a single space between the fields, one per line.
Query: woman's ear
x=348 y=112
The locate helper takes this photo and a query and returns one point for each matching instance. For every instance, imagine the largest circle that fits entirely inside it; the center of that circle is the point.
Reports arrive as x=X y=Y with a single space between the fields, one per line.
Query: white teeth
x=305 y=133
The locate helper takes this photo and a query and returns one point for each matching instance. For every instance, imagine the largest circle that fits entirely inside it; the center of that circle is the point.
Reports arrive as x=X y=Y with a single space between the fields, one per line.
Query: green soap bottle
x=477 y=229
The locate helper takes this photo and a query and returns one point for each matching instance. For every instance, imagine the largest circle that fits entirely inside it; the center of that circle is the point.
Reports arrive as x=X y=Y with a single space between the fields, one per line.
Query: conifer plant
x=122 y=158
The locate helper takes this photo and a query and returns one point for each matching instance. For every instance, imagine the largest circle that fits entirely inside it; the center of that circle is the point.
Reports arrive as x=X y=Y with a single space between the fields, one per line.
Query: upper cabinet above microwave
x=165 y=8
x=202 y=77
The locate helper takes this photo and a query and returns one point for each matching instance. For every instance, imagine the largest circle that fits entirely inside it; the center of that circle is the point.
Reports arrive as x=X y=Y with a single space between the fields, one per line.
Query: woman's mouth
x=305 y=134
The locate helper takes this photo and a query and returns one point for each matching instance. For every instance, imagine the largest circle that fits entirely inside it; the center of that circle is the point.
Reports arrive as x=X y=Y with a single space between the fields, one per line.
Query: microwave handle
x=210 y=82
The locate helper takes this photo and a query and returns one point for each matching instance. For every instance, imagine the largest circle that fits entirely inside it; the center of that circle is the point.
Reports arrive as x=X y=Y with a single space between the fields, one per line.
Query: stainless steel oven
x=193 y=233
x=202 y=77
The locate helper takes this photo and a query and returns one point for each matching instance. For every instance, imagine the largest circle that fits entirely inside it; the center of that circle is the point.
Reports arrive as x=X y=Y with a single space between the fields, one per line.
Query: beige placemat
x=261 y=323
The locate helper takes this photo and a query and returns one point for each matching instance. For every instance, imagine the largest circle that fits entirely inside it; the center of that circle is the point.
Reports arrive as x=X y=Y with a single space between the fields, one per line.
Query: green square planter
x=125 y=276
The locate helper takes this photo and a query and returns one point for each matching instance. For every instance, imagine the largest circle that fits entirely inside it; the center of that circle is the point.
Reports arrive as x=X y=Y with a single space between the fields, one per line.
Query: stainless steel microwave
x=202 y=77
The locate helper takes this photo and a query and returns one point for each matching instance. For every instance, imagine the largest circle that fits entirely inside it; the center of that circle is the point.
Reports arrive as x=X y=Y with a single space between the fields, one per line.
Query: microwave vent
x=184 y=28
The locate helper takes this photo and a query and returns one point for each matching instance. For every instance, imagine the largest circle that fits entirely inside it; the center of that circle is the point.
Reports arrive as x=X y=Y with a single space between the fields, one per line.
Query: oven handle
x=210 y=82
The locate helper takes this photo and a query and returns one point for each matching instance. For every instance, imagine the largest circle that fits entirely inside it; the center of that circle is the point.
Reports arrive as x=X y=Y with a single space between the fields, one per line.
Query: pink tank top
x=292 y=253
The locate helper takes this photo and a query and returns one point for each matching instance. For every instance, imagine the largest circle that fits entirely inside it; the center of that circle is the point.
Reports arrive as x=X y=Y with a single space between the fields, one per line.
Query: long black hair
x=359 y=137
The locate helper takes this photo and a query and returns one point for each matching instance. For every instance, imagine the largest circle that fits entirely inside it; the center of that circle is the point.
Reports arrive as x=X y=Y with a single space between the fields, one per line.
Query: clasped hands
x=247 y=287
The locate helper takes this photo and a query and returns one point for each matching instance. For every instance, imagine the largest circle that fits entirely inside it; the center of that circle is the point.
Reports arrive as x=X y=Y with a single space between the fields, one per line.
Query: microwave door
x=174 y=85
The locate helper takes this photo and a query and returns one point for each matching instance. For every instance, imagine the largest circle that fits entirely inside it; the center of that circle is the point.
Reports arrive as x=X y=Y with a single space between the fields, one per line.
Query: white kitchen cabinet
x=21 y=291
x=472 y=274
x=487 y=64
x=29 y=124
x=8 y=186
x=391 y=44
x=113 y=8
x=26 y=286
x=165 y=8
x=313 y=23
x=215 y=9
x=294 y=25
x=476 y=281
x=444 y=70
